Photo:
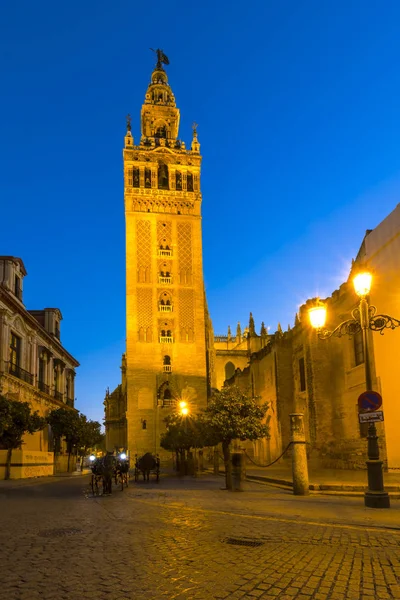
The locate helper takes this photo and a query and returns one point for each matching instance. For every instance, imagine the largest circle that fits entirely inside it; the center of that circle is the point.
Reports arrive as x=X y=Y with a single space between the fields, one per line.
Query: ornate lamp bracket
x=382 y=322
x=349 y=327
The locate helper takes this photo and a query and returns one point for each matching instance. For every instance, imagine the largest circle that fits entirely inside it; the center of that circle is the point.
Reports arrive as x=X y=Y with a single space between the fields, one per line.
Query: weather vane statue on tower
x=161 y=58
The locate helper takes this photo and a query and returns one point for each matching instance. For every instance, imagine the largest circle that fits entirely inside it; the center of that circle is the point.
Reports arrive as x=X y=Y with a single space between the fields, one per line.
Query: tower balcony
x=163 y=252
x=166 y=339
x=165 y=307
x=164 y=279
x=167 y=368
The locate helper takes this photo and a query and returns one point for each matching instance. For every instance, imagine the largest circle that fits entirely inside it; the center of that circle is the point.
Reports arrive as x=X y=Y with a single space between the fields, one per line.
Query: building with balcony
x=34 y=366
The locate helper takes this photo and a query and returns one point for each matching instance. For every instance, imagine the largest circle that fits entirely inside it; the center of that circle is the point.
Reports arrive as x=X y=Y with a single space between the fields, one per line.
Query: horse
x=121 y=471
x=146 y=464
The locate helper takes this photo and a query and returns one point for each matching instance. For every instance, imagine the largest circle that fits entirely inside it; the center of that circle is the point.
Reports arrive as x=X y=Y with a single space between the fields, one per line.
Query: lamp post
x=364 y=319
x=184 y=411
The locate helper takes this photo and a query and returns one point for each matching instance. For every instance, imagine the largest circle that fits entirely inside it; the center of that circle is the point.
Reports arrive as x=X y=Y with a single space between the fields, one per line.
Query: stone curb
x=13 y=484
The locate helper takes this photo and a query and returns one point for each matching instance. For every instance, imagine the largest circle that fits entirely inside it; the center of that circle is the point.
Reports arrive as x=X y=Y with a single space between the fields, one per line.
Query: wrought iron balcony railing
x=163 y=252
x=164 y=279
x=17 y=371
x=167 y=368
x=166 y=339
x=70 y=402
x=43 y=387
x=165 y=307
x=58 y=395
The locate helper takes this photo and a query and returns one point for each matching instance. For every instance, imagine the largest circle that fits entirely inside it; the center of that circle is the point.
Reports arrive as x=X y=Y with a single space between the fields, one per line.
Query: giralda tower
x=166 y=321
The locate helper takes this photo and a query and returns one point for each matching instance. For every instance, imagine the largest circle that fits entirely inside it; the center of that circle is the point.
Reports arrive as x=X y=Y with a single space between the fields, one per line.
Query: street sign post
x=371 y=417
x=369 y=401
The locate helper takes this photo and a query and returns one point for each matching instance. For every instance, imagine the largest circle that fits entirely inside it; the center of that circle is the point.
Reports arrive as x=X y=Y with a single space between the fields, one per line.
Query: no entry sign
x=369 y=401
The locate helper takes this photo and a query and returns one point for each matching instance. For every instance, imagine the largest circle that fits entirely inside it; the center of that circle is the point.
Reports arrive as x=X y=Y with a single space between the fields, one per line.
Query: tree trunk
x=228 y=465
x=8 y=464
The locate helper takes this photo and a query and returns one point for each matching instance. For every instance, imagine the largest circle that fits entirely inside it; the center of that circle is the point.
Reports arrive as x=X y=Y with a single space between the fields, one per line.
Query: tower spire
x=195 y=142
x=252 y=329
x=160 y=115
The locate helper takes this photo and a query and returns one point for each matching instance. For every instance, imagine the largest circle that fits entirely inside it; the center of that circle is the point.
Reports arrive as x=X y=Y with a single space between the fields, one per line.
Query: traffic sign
x=371 y=417
x=370 y=401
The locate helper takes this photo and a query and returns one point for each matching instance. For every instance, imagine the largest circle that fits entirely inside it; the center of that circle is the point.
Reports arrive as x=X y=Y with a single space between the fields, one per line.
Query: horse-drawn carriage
x=109 y=467
x=146 y=465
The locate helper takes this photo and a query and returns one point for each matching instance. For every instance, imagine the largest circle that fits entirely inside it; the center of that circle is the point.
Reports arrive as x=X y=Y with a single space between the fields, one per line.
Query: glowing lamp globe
x=362 y=283
x=317 y=316
x=92 y=457
x=123 y=456
x=184 y=411
x=182 y=404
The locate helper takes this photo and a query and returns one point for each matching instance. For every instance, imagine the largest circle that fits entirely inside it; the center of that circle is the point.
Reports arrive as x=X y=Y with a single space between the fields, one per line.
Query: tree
x=64 y=423
x=184 y=433
x=88 y=436
x=16 y=419
x=232 y=414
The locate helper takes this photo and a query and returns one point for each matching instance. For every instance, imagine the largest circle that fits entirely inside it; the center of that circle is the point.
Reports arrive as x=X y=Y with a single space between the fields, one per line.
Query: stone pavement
x=187 y=539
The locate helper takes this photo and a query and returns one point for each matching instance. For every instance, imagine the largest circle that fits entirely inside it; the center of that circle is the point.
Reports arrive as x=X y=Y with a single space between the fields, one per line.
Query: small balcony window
x=165 y=277
x=164 y=307
x=164 y=251
x=167 y=367
x=166 y=336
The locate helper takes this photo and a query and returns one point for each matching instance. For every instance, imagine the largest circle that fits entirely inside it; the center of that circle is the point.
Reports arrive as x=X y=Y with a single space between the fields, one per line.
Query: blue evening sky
x=298 y=112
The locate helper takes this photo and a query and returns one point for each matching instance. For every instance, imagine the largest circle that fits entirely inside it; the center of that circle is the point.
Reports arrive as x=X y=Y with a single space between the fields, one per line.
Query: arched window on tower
x=167 y=367
x=136 y=178
x=178 y=180
x=147 y=178
x=163 y=182
x=189 y=182
x=167 y=394
x=161 y=132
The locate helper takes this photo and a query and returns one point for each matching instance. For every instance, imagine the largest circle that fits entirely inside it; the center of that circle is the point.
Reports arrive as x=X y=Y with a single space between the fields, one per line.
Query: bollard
x=190 y=464
x=299 y=455
x=201 y=460
x=238 y=471
x=216 y=462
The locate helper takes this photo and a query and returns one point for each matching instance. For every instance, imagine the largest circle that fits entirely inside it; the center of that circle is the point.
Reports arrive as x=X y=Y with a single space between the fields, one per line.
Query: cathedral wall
x=382 y=251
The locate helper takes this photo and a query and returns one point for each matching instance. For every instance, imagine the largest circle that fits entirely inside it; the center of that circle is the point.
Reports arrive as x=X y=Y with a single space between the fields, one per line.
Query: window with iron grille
x=302 y=373
x=15 y=350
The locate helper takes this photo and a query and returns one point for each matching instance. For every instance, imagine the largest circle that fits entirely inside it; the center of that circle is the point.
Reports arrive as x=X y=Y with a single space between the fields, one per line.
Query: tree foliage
x=233 y=414
x=64 y=423
x=184 y=433
x=80 y=433
x=16 y=419
x=88 y=435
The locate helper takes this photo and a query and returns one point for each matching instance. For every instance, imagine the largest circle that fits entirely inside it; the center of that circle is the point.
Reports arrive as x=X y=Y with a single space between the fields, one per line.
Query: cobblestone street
x=184 y=539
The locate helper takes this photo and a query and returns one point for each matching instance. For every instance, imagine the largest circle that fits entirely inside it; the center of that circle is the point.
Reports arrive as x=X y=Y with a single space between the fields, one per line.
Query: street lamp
x=364 y=318
x=183 y=408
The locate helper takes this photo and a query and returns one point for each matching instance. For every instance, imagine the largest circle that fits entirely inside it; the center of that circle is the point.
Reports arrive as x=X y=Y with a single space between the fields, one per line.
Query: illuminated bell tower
x=165 y=303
